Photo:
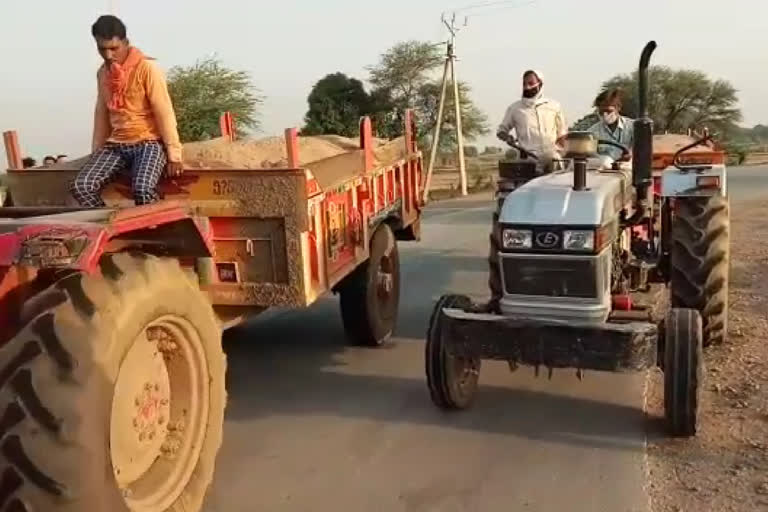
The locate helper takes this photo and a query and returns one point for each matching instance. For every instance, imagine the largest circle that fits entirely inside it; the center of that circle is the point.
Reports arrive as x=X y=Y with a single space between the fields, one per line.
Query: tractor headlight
x=579 y=240
x=517 y=238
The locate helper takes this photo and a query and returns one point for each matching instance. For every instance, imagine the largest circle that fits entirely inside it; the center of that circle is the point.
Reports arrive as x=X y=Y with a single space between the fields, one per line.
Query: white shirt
x=537 y=122
x=624 y=133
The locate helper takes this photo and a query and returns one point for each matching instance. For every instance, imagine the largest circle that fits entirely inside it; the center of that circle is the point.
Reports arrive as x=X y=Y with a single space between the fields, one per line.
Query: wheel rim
x=159 y=414
x=385 y=281
x=464 y=372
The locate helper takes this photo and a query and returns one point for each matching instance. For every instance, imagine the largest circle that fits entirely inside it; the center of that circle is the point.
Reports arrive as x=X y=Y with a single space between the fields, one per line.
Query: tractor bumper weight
x=612 y=347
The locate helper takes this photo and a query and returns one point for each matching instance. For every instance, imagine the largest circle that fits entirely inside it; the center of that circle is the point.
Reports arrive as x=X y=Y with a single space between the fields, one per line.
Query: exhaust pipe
x=642 y=150
x=579 y=174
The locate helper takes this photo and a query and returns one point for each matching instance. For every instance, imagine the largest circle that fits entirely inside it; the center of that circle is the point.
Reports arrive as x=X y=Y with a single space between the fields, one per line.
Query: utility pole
x=450 y=65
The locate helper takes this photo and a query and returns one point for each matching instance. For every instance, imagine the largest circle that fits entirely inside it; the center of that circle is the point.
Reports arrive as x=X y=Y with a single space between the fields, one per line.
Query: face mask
x=531 y=93
x=610 y=117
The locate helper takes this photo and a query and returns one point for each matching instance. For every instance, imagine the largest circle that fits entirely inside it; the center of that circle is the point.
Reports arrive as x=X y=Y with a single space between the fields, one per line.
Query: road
x=314 y=425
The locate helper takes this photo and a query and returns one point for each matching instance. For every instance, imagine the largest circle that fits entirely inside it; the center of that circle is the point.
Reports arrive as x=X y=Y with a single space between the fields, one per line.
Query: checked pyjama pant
x=144 y=160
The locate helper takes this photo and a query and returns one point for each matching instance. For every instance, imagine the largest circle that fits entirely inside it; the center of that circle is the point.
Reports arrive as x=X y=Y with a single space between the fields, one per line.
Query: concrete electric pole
x=450 y=65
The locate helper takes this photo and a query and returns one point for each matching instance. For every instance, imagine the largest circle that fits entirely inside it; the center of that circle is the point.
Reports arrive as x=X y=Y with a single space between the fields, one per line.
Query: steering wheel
x=524 y=153
x=625 y=152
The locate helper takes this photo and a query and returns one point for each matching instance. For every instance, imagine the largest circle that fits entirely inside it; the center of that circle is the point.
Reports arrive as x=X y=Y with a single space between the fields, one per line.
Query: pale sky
x=49 y=60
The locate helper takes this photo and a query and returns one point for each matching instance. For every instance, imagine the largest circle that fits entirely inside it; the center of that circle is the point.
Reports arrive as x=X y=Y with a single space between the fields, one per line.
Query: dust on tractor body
x=593 y=273
x=111 y=361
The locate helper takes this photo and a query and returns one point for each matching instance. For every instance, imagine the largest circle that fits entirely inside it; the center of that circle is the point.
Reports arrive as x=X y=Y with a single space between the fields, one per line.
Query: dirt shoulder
x=725 y=468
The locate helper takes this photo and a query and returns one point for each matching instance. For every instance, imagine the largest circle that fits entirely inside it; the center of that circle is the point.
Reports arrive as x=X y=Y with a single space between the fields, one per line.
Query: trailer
x=111 y=319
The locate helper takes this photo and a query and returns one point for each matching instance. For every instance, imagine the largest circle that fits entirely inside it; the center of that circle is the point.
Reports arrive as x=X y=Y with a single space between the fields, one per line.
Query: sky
x=48 y=78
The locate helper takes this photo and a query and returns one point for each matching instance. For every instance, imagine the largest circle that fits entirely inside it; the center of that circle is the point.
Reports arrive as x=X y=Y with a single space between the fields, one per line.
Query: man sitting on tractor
x=134 y=123
x=538 y=122
x=612 y=125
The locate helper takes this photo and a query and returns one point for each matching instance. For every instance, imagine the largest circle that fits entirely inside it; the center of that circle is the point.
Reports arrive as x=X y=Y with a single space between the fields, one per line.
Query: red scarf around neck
x=117 y=77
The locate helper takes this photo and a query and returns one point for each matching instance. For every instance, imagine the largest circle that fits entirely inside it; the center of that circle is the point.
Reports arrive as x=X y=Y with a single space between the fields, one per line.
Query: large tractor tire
x=683 y=371
x=700 y=262
x=113 y=393
x=370 y=296
x=452 y=380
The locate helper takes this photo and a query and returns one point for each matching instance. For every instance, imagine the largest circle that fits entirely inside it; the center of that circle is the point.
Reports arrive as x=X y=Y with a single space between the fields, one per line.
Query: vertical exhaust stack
x=579 y=174
x=642 y=150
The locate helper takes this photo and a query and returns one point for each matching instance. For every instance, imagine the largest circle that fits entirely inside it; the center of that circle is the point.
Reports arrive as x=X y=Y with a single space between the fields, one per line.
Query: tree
x=679 y=99
x=471 y=151
x=202 y=92
x=336 y=104
x=405 y=77
x=404 y=68
x=473 y=121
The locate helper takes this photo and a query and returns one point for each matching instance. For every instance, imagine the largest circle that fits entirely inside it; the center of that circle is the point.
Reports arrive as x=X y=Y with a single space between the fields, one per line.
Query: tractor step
x=613 y=347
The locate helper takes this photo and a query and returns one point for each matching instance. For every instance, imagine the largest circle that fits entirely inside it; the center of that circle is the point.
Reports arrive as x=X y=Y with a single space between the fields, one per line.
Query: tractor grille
x=552 y=276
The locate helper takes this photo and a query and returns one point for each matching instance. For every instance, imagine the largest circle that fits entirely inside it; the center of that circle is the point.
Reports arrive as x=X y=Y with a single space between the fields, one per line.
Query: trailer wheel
x=370 y=296
x=700 y=262
x=113 y=393
x=452 y=380
x=683 y=370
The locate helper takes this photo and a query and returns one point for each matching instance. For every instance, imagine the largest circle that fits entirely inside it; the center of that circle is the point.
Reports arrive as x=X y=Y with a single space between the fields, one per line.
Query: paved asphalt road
x=314 y=425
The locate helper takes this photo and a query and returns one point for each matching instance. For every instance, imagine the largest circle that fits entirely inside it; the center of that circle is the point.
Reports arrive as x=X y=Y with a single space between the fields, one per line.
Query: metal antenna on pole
x=450 y=65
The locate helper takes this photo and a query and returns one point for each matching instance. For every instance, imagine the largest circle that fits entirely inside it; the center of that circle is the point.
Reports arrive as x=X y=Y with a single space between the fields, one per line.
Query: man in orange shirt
x=134 y=126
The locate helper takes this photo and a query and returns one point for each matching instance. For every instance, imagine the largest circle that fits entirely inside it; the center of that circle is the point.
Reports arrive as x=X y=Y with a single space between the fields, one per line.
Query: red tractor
x=111 y=364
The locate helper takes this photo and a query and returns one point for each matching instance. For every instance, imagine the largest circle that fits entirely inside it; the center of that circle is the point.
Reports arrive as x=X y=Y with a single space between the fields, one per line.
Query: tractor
x=111 y=363
x=602 y=266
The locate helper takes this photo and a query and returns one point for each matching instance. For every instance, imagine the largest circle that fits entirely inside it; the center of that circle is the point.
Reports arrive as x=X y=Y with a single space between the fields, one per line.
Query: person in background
x=49 y=161
x=538 y=122
x=28 y=162
x=61 y=158
x=134 y=125
x=612 y=125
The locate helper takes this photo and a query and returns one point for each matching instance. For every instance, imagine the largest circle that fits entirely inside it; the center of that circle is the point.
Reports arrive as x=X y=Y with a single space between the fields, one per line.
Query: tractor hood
x=551 y=200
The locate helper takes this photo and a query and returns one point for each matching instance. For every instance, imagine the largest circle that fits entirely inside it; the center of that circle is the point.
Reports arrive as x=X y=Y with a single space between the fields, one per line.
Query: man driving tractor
x=134 y=123
x=612 y=125
x=538 y=122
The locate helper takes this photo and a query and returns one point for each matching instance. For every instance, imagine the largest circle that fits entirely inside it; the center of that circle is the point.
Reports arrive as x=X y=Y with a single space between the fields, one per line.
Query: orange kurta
x=147 y=115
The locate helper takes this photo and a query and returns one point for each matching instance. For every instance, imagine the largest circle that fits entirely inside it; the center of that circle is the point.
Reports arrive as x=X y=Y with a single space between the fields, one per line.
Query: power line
x=495 y=3
x=492 y=11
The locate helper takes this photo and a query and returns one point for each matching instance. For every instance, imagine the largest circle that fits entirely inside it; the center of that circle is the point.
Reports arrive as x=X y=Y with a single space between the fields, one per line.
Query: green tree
x=403 y=69
x=336 y=104
x=473 y=121
x=205 y=90
x=471 y=151
x=679 y=99
x=406 y=77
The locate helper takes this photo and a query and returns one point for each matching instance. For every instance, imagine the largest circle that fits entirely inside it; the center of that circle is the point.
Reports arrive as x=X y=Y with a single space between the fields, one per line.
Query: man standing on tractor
x=134 y=124
x=612 y=125
x=538 y=122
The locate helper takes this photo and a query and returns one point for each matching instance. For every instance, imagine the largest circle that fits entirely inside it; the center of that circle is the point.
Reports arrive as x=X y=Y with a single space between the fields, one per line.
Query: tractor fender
x=79 y=239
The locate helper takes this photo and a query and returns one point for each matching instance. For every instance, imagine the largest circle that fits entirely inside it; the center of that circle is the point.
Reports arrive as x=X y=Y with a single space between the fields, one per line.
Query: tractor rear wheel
x=452 y=380
x=113 y=393
x=683 y=370
x=700 y=262
x=370 y=296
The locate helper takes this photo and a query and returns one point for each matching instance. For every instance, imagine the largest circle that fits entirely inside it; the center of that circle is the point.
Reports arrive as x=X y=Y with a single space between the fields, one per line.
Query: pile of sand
x=270 y=152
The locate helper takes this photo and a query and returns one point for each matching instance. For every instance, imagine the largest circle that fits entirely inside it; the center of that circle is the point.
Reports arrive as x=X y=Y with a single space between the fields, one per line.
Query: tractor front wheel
x=452 y=380
x=683 y=370
x=113 y=393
